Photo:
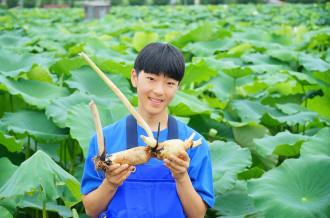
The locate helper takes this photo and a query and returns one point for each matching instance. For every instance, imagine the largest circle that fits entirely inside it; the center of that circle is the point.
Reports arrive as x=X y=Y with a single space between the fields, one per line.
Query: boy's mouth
x=155 y=100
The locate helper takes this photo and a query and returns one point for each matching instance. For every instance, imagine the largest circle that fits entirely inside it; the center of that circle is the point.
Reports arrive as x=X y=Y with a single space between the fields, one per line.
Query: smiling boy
x=178 y=187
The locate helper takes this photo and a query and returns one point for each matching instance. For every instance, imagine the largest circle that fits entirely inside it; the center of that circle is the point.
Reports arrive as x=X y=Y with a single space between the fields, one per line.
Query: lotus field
x=256 y=86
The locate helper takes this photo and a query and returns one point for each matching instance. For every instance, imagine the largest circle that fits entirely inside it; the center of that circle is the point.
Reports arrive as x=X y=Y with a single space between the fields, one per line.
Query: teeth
x=154 y=100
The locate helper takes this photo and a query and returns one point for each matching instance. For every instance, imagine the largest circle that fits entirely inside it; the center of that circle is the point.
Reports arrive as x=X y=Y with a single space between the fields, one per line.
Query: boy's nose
x=158 y=89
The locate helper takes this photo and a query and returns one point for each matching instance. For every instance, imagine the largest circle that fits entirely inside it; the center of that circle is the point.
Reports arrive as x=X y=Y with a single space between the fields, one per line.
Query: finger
x=119 y=169
x=174 y=168
x=184 y=155
x=178 y=161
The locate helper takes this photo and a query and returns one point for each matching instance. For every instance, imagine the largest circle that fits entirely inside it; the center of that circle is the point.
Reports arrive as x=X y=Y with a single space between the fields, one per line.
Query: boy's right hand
x=117 y=174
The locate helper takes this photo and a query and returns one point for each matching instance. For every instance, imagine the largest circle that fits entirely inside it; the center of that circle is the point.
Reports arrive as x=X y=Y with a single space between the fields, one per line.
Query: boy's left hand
x=178 y=165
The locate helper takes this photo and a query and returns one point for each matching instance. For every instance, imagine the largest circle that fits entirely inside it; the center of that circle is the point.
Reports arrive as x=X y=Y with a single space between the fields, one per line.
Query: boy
x=178 y=187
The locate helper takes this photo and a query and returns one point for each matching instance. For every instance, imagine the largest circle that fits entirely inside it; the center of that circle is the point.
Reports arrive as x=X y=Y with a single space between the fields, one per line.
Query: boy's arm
x=193 y=204
x=98 y=200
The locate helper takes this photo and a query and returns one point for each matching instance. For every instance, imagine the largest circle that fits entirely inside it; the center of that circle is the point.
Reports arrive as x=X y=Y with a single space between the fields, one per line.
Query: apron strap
x=131 y=130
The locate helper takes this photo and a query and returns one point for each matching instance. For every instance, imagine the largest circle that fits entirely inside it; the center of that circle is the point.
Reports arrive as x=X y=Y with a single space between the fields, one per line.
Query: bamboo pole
x=121 y=96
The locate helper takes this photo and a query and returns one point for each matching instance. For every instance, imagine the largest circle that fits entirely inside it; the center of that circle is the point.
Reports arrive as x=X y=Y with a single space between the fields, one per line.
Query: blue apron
x=150 y=191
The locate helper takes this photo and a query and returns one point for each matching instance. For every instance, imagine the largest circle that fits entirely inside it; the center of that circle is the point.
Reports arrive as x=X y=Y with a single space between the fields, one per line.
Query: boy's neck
x=153 y=120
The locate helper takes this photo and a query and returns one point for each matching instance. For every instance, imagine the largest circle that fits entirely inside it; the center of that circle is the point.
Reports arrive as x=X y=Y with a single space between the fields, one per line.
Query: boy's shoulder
x=116 y=126
x=185 y=131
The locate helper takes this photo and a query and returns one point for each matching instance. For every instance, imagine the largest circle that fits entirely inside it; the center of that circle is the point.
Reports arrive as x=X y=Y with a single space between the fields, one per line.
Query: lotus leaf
x=318 y=144
x=207 y=48
x=9 y=141
x=34 y=92
x=35 y=124
x=87 y=81
x=313 y=63
x=141 y=39
x=4 y=213
x=186 y=105
x=284 y=143
x=80 y=121
x=302 y=191
x=8 y=170
x=50 y=181
x=58 y=109
x=228 y=159
x=235 y=202
x=198 y=72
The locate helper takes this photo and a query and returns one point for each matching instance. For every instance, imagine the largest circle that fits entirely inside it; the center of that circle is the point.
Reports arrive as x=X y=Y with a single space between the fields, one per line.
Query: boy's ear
x=134 y=78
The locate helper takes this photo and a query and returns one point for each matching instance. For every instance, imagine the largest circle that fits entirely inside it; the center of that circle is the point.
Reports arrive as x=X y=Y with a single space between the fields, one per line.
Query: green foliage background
x=257 y=87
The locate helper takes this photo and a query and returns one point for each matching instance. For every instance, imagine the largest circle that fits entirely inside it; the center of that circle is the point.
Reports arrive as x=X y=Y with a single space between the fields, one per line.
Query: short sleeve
x=91 y=179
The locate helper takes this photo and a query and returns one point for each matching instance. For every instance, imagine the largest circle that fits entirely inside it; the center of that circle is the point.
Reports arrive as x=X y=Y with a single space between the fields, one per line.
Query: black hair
x=159 y=58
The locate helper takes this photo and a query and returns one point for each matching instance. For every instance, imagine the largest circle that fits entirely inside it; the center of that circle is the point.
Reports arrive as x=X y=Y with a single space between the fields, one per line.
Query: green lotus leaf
x=228 y=159
x=12 y=64
x=269 y=68
x=80 y=121
x=313 y=63
x=184 y=105
x=9 y=141
x=283 y=54
x=92 y=45
x=52 y=46
x=254 y=172
x=302 y=191
x=40 y=74
x=222 y=85
x=321 y=104
x=12 y=40
x=323 y=76
x=49 y=182
x=33 y=202
x=114 y=67
x=276 y=98
x=7 y=171
x=291 y=108
x=252 y=111
x=141 y=39
x=35 y=124
x=244 y=135
x=198 y=72
x=201 y=32
x=276 y=119
x=9 y=205
x=34 y=92
x=4 y=213
x=65 y=65
x=283 y=143
x=258 y=58
x=318 y=144
x=58 y=109
x=238 y=72
x=241 y=48
x=87 y=81
x=207 y=48
x=302 y=78
x=235 y=202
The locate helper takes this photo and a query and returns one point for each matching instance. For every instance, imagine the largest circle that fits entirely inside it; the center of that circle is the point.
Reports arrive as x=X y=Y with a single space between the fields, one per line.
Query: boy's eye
x=171 y=83
x=150 y=78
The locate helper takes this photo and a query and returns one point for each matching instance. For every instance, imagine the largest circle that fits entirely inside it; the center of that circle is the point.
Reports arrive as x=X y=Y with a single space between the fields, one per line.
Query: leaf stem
x=231 y=93
x=73 y=158
x=44 y=212
x=28 y=148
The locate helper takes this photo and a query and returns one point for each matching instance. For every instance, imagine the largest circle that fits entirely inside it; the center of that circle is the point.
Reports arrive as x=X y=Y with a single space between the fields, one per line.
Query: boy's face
x=154 y=92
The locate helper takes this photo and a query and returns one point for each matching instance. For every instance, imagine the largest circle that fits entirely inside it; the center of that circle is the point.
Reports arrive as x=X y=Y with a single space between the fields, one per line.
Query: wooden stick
x=98 y=127
x=122 y=97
